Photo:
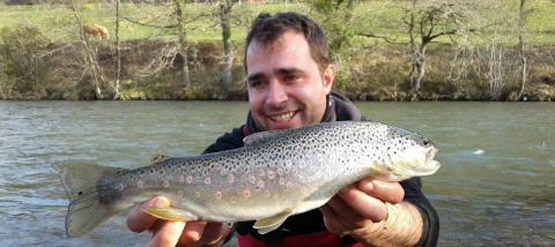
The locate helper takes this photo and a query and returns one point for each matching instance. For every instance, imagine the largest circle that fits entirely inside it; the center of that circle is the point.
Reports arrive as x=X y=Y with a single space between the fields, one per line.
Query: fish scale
x=275 y=175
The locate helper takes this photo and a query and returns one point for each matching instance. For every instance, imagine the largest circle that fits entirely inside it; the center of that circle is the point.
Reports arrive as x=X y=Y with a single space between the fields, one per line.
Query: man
x=289 y=81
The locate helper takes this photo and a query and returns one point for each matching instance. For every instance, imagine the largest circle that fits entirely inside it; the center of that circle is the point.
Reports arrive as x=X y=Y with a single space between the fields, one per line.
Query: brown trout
x=275 y=175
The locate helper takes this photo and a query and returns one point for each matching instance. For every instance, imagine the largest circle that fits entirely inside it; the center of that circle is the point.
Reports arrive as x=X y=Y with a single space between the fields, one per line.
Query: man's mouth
x=282 y=117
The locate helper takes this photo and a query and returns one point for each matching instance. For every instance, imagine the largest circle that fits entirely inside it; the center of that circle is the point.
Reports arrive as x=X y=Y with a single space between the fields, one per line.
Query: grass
x=380 y=17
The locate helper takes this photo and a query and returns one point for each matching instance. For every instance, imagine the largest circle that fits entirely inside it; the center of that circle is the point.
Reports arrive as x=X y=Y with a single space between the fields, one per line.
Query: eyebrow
x=257 y=76
x=281 y=71
x=290 y=71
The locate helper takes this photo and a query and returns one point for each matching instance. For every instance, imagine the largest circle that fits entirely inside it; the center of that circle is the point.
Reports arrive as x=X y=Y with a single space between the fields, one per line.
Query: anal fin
x=267 y=225
x=172 y=214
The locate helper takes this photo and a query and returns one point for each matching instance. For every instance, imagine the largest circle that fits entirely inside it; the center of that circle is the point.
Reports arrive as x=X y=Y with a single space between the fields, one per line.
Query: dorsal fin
x=261 y=137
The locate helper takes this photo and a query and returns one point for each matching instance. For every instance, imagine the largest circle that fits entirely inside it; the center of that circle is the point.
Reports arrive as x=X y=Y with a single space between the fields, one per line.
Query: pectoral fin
x=172 y=214
x=269 y=224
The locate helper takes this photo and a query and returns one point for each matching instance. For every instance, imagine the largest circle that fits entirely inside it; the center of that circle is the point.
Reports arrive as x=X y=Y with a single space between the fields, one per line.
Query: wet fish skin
x=277 y=174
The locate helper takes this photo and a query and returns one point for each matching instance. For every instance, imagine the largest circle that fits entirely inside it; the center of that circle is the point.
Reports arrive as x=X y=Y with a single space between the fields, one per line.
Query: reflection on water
x=500 y=196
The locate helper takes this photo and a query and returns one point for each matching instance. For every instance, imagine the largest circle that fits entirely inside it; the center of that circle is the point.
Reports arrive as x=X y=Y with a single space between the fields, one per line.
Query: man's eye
x=255 y=83
x=292 y=78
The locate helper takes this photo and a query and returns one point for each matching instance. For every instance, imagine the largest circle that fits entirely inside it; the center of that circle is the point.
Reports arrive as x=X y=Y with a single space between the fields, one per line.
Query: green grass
x=384 y=18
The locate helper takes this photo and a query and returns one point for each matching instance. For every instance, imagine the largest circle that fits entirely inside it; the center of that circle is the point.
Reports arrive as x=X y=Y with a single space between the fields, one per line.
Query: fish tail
x=85 y=210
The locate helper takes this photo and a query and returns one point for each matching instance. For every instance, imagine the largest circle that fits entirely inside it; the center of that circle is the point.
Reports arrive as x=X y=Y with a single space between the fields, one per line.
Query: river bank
x=492 y=52
x=150 y=71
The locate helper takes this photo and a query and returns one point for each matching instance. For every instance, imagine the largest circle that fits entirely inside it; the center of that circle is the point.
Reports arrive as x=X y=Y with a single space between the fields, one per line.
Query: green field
x=384 y=18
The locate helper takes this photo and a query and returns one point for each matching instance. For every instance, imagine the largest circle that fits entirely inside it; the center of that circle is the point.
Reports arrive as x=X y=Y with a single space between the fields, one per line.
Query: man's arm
x=374 y=213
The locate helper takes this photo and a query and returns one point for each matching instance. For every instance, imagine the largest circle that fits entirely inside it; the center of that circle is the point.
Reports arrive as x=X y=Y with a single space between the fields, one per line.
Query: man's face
x=285 y=86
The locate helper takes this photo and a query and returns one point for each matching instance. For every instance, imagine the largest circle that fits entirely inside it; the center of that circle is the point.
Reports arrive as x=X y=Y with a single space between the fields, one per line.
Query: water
x=495 y=187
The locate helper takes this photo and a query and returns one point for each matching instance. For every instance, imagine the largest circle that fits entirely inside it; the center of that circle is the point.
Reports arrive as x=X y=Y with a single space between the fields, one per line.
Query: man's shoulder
x=345 y=109
x=228 y=141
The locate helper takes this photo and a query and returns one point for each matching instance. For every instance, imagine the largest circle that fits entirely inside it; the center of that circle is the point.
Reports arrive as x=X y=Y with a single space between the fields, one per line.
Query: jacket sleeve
x=228 y=141
x=430 y=220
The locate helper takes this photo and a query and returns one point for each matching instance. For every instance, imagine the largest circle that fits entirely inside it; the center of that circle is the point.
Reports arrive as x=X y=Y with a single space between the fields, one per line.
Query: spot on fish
x=280 y=172
x=197 y=194
x=207 y=180
x=230 y=178
x=165 y=184
x=189 y=179
x=247 y=193
x=219 y=195
x=119 y=187
x=223 y=171
x=140 y=184
x=281 y=181
x=252 y=179
x=267 y=193
x=271 y=174
x=260 y=184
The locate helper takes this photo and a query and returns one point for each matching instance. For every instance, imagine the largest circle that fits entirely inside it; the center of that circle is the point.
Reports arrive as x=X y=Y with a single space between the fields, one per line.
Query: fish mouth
x=430 y=164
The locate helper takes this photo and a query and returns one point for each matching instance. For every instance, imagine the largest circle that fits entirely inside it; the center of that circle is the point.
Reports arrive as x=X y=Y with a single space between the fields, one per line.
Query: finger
x=166 y=234
x=332 y=221
x=213 y=232
x=193 y=232
x=367 y=206
x=138 y=220
x=391 y=192
x=345 y=212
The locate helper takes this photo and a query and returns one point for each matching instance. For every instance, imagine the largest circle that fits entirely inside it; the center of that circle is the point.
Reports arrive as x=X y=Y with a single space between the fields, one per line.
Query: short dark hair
x=267 y=28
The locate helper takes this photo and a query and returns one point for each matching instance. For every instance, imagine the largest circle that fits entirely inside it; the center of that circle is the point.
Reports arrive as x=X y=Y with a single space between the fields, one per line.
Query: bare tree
x=90 y=54
x=181 y=35
x=118 y=54
x=426 y=22
x=522 y=13
x=225 y=17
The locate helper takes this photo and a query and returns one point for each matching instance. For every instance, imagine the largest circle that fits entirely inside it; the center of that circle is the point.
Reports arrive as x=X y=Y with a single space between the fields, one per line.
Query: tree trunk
x=181 y=40
x=225 y=14
x=118 y=55
x=418 y=68
x=90 y=55
x=521 y=52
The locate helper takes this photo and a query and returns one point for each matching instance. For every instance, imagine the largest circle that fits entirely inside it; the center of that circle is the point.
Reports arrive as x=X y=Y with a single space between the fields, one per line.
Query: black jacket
x=339 y=109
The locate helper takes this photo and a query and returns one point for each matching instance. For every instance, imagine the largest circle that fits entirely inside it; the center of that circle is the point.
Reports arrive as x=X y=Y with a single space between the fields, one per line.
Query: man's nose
x=276 y=94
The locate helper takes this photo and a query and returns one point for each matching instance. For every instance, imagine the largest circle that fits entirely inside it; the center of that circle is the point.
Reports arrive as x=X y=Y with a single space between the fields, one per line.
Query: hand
x=360 y=205
x=175 y=233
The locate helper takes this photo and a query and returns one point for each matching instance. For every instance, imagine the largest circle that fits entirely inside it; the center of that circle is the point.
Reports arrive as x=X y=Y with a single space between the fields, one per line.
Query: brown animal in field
x=96 y=30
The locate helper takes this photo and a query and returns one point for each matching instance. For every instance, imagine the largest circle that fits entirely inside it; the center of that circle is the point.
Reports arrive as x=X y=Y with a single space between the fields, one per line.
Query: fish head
x=408 y=154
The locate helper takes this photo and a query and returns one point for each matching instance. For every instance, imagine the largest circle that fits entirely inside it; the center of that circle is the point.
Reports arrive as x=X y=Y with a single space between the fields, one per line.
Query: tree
x=225 y=16
x=522 y=14
x=425 y=22
x=181 y=35
x=90 y=54
x=118 y=54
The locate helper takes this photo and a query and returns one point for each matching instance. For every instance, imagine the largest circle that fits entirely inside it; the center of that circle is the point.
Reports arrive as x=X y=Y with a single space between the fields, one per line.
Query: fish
x=277 y=174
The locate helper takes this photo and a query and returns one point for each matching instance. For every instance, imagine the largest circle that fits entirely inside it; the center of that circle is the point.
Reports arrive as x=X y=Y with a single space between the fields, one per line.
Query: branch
x=147 y=24
x=455 y=31
x=450 y=32
x=385 y=38
x=198 y=17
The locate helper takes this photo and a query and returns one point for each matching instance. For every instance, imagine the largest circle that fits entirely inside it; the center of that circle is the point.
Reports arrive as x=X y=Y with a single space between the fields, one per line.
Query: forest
x=384 y=50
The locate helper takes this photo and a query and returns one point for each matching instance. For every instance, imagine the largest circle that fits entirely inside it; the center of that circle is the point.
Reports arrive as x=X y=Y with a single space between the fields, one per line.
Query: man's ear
x=328 y=75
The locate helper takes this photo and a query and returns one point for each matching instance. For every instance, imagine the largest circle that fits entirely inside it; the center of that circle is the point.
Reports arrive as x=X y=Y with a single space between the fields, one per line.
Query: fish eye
x=426 y=142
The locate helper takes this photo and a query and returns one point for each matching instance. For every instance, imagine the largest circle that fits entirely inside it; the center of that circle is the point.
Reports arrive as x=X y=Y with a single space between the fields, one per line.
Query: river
x=496 y=186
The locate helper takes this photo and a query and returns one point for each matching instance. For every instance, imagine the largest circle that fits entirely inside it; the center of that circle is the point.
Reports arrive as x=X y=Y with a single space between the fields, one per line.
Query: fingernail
x=159 y=201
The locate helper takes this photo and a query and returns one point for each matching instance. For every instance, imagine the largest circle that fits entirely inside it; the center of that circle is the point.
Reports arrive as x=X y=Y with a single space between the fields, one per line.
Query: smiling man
x=289 y=81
